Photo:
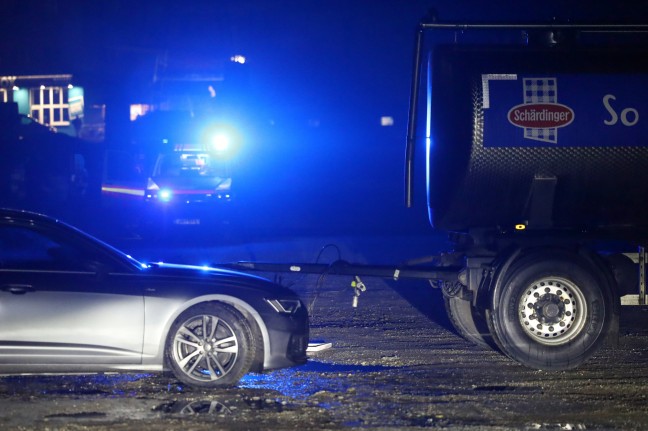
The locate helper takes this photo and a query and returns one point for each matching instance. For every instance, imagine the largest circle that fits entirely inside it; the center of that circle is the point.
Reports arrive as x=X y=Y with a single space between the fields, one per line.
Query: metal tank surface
x=541 y=129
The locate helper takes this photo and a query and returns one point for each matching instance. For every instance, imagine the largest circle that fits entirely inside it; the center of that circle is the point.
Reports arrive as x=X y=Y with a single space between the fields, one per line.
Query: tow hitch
x=341 y=267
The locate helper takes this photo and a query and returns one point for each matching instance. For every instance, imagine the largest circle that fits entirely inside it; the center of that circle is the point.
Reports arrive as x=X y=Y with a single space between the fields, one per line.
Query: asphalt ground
x=395 y=363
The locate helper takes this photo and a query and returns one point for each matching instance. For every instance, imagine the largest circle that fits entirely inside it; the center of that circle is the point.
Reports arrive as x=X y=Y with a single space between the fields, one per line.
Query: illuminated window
x=49 y=105
x=4 y=98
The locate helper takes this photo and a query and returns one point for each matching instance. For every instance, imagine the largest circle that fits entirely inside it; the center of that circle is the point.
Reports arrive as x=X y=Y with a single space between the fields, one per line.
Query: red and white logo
x=541 y=115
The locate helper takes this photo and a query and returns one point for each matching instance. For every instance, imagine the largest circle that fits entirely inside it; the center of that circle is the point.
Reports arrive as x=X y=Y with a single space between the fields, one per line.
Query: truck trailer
x=536 y=155
x=537 y=164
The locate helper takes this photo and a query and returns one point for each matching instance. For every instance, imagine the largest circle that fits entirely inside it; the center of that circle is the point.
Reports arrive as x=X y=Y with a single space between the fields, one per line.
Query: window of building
x=49 y=105
x=4 y=98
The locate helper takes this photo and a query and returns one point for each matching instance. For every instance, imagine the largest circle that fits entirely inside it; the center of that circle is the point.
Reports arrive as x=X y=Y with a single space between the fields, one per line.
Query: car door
x=61 y=302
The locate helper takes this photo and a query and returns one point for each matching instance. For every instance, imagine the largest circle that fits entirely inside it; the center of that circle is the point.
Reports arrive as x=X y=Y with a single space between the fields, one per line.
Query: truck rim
x=552 y=310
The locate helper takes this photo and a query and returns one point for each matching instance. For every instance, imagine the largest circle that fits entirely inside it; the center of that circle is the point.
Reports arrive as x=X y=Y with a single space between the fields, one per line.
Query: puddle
x=302 y=382
x=556 y=426
x=507 y=388
x=222 y=407
x=202 y=407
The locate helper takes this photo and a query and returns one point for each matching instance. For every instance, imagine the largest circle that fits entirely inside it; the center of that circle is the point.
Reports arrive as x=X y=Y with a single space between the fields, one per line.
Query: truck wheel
x=552 y=313
x=468 y=322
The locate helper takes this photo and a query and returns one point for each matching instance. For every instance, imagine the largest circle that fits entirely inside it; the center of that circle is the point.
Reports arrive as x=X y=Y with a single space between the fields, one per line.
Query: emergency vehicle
x=175 y=181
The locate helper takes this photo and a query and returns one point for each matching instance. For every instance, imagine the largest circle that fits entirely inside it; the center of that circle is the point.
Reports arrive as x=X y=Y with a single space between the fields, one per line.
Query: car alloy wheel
x=210 y=345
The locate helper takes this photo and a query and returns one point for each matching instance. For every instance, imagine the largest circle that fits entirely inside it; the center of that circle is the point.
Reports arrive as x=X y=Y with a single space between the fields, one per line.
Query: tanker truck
x=535 y=144
x=537 y=165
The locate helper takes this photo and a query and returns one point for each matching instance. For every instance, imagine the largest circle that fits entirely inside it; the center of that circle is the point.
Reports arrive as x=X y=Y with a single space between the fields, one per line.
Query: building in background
x=56 y=102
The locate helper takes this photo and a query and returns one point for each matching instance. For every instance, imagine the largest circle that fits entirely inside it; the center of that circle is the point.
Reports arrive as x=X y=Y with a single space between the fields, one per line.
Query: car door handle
x=17 y=289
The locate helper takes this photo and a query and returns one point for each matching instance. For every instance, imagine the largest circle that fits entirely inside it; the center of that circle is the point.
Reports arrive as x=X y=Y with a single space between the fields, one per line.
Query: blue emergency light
x=220 y=142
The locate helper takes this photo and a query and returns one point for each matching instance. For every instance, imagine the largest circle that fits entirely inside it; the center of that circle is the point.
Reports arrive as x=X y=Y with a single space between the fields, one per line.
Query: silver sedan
x=71 y=303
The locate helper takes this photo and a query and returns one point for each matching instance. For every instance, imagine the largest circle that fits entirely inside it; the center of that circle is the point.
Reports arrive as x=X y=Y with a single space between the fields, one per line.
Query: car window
x=24 y=248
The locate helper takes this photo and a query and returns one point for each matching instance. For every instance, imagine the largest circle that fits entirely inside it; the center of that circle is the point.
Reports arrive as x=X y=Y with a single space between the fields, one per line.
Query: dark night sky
x=344 y=62
x=334 y=55
x=309 y=53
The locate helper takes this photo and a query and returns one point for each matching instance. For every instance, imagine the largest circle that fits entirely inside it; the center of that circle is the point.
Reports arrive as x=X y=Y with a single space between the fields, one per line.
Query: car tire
x=210 y=345
x=553 y=312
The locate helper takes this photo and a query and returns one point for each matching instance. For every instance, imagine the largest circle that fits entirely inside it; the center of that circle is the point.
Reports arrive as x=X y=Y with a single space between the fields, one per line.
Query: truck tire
x=469 y=322
x=552 y=312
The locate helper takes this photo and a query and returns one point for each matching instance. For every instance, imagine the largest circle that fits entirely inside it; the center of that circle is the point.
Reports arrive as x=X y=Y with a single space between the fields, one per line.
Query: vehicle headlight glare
x=165 y=195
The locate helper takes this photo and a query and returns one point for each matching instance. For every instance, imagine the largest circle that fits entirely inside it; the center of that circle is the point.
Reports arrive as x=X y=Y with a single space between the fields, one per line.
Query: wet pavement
x=394 y=364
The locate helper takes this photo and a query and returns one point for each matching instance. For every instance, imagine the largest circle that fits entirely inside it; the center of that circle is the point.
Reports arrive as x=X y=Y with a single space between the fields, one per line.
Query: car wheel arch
x=257 y=323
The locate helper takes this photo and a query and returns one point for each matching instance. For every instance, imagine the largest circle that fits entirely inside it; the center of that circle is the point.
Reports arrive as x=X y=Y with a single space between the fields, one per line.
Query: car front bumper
x=288 y=336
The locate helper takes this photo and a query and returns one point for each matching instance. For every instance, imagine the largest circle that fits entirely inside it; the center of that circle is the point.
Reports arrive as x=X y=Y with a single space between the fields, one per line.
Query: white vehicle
x=173 y=182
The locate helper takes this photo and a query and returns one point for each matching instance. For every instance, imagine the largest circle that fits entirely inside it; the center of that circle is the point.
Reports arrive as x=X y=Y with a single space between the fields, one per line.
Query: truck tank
x=542 y=135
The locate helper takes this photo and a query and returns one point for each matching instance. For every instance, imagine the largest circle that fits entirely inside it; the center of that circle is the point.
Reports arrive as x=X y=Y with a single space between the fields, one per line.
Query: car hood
x=210 y=275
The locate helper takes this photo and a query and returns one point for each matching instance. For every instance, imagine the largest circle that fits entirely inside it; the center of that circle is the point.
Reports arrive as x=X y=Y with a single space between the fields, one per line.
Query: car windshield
x=184 y=164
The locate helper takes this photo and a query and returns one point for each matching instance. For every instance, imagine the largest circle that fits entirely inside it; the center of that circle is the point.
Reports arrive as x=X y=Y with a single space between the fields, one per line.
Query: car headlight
x=285 y=306
x=153 y=191
x=165 y=195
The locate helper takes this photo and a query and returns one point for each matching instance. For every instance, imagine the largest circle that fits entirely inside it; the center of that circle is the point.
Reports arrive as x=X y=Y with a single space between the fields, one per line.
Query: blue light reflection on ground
x=302 y=382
